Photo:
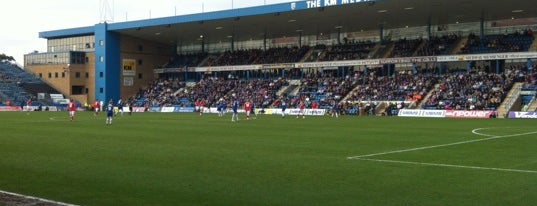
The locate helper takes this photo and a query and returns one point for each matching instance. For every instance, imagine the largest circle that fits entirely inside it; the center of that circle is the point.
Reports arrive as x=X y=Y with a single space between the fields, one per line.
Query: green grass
x=185 y=159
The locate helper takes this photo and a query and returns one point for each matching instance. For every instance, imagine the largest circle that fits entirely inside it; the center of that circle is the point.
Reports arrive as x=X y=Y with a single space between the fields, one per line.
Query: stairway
x=422 y=44
x=387 y=51
x=424 y=99
x=307 y=55
x=350 y=93
x=374 y=51
x=510 y=100
x=458 y=46
x=533 y=46
x=533 y=106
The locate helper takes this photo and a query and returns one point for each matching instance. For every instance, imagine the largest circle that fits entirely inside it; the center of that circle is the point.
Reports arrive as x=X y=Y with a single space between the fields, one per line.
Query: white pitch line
x=441 y=145
x=449 y=165
x=481 y=134
x=36 y=198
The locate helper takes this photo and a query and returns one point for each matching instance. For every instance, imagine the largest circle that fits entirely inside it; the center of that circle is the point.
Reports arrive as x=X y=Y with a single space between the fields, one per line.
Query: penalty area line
x=448 y=165
x=26 y=197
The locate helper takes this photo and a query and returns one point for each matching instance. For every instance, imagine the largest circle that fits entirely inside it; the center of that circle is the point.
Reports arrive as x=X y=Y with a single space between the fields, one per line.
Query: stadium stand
x=480 y=89
x=349 y=50
x=513 y=42
x=17 y=86
x=438 y=45
x=186 y=60
x=405 y=48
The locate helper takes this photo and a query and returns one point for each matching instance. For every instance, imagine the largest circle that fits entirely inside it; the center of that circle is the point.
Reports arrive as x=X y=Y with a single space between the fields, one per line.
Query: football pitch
x=187 y=159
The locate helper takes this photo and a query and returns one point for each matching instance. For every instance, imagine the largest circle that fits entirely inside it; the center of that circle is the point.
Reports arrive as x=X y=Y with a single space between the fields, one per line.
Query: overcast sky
x=24 y=19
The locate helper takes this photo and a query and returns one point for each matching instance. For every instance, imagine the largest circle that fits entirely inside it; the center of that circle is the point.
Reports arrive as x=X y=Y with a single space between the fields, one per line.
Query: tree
x=6 y=57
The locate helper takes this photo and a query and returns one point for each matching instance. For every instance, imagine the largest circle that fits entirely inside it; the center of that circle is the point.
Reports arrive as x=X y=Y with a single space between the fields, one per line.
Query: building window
x=56 y=75
x=140 y=47
x=101 y=90
x=139 y=75
x=87 y=75
x=87 y=90
x=101 y=43
x=140 y=62
x=77 y=89
x=87 y=59
x=77 y=75
x=101 y=75
x=49 y=75
x=40 y=75
x=63 y=74
x=101 y=58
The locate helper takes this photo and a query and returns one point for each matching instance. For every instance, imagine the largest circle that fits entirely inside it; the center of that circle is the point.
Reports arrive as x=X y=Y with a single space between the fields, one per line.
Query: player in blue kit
x=335 y=109
x=284 y=106
x=221 y=107
x=252 y=110
x=109 y=112
x=120 y=106
x=235 y=107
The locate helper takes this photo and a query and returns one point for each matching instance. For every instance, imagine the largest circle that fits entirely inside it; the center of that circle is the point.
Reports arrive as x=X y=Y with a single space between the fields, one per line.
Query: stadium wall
x=146 y=56
x=62 y=77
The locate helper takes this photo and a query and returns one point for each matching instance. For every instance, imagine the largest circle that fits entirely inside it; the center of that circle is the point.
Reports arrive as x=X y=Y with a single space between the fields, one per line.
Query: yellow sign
x=129 y=67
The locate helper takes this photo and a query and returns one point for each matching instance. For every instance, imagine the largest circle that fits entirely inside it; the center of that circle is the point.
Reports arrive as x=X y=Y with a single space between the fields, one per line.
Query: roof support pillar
x=482 y=28
x=381 y=35
x=299 y=39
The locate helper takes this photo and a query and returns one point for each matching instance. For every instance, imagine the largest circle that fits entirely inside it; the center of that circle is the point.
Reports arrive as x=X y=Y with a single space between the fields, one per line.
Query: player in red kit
x=201 y=105
x=96 y=107
x=301 y=109
x=71 y=108
x=247 y=108
x=29 y=105
x=314 y=105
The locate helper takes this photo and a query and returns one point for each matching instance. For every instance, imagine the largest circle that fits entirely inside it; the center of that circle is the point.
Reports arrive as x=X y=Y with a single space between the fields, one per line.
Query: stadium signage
x=337 y=63
x=183 y=109
x=468 y=114
x=137 y=109
x=361 y=62
x=522 y=115
x=228 y=68
x=308 y=112
x=278 y=66
x=407 y=60
x=167 y=109
x=9 y=108
x=495 y=56
x=129 y=67
x=421 y=113
x=325 y=3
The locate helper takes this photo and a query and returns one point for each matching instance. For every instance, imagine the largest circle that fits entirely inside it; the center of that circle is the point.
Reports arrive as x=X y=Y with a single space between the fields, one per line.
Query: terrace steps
x=427 y=96
x=357 y=87
x=513 y=94
x=387 y=51
x=374 y=50
x=533 y=46
x=533 y=106
x=307 y=55
x=458 y=46
x=422 y=44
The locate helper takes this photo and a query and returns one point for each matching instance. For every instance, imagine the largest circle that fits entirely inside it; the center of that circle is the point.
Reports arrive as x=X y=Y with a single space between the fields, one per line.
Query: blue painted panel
x=109 y=67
